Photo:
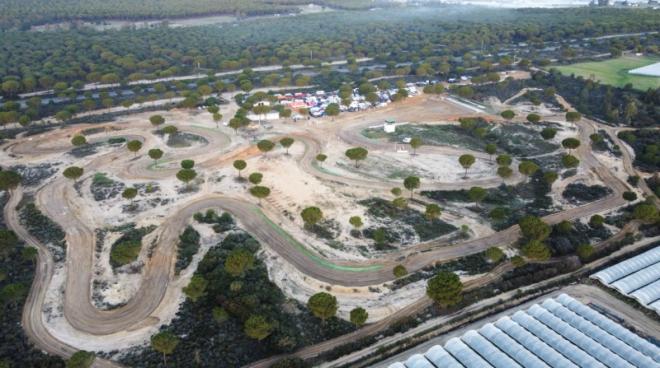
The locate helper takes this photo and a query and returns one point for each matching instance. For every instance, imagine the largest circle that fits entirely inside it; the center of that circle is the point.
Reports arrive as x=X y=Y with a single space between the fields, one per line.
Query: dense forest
x=43 y=60
x=214 y=321
x=24 y=13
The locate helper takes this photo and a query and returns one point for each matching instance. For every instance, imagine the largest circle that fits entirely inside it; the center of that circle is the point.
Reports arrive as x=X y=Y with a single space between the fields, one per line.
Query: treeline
x=646 y=143
x=615 y=105
x=625 y=106
x=23 y=14
x=43 y=60
x=68 y=104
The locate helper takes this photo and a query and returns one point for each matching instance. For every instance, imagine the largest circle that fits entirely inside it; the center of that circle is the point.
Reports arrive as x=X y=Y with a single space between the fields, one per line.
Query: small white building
x=389 y=127
x=273 y=115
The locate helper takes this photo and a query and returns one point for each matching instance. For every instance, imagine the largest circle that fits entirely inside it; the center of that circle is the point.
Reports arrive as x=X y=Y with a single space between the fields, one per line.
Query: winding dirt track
x=59 y=200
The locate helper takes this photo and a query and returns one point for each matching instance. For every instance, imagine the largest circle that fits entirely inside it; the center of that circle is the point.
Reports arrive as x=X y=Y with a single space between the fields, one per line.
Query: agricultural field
x=615 y=72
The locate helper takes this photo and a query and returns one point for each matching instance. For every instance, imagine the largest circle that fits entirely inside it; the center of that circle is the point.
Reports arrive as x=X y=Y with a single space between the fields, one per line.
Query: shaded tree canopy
x=186 y=175
x=164 y=342
x=156 y=120
x=535 y=249
x=432 y=211
x=548 y=133
x=533 y=118
x=323 y=305
x=78 y=140
x=260 y=192
x=187 y=164
x=508 y=114
x=255 y=178
x=81 y=359
x=265 y=145
x=9 y=179
x=129 y=193
x=356 y=154
x=170 y=129
x=504 y=160
x=134 y=146
x=73 y=172
x=570 y=143
x=311 y=215
x=240 y=165
x=239 y=261
x=534 y=228
x=570 y=161
x=358 y=316
x=411 y=183
x=155 y=153
x=528 y=168
x=445 y=289
x=399 y=271
x=196 y=288
x=356 y=221
x=286 y=142
x=258 y=327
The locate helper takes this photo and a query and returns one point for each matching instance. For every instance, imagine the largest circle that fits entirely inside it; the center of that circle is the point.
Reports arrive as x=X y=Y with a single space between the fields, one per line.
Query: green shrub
x=584 y=251
x=494 y=254
x=399 y=271
x=127 y=248
x=125 y=253
x=188 y=247
x=517 y=261
x=596 y=221
x=536 y=250
x=629 y=196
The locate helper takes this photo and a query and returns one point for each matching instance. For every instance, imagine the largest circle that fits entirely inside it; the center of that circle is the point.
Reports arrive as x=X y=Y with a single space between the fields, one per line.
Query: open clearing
x=615 y=72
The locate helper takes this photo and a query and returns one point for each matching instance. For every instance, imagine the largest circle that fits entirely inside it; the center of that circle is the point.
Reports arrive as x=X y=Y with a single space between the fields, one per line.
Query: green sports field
x=615 y=71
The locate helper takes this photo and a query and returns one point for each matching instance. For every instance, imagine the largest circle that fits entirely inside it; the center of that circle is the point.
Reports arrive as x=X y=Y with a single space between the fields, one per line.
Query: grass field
x=615 y=71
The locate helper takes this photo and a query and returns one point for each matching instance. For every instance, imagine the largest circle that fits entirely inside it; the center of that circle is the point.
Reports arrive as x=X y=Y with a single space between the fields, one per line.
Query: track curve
x=57 y=200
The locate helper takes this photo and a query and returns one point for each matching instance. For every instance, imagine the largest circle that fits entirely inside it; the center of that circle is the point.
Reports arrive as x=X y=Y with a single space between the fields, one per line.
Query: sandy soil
x=293 y=185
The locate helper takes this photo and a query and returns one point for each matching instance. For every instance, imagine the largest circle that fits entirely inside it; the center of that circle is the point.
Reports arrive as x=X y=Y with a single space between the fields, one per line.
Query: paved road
x=267 y=68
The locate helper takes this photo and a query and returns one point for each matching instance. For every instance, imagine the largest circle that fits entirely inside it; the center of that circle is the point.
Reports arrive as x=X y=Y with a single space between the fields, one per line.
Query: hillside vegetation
x=39 y=60
x=24 y=13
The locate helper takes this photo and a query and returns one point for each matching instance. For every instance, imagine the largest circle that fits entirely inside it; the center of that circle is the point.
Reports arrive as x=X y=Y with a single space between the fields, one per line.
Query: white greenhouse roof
x=637 y=277
x=559 y=332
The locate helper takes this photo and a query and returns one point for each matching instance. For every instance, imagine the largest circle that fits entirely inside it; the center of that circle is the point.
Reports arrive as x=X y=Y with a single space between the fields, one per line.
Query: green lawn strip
x=152 y=166
x=615 y=72
x=319 y=260
x=322 y=169
x=117 y=140
x=157 y=166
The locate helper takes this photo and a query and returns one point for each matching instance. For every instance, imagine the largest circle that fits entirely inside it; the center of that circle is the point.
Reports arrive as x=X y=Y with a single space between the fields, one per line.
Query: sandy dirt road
x=59 y=200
